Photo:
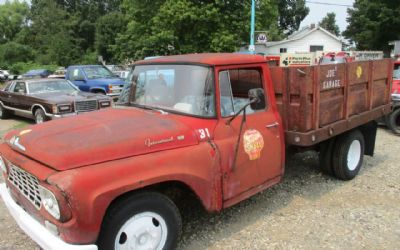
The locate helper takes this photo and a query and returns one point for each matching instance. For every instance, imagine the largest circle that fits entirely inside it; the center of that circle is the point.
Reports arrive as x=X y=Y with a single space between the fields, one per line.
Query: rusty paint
x=107 y=155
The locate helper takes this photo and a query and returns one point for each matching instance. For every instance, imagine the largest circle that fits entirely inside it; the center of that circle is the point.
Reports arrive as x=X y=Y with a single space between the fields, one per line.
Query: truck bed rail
x=318 y=102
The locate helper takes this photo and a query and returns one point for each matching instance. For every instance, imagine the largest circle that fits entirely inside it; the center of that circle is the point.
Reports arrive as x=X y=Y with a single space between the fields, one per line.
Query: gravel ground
x=308 y=210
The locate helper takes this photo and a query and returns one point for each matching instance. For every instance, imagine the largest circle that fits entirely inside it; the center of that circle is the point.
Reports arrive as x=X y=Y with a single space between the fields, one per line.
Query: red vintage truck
x=213 y=125
x=393 y=119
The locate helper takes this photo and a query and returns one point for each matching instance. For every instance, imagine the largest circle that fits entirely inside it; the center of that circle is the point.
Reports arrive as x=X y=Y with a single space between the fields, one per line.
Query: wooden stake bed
x=319 y=102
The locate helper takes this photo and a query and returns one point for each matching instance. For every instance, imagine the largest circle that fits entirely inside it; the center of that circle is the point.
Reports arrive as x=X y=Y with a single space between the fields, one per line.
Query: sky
x=319 y=9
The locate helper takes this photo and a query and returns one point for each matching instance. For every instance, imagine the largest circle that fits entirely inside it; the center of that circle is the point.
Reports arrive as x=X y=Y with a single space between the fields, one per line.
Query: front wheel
x=40 y=116
x=142 y=221
x=348 y=155
x=394 y=121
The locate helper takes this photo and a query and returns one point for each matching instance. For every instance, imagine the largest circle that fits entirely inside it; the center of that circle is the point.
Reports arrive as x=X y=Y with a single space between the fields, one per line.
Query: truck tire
x=142 y=221
x=40 y=116
x=4 y=113
x=394 y=121
x=348 y=155
x=325 y=156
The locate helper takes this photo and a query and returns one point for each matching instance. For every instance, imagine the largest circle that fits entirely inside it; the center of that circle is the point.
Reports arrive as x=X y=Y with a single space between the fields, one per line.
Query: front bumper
x=52 y=117
x=396 y=97
x=34 y=229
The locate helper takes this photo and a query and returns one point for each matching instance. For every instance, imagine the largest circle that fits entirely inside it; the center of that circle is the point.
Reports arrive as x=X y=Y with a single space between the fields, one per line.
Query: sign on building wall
x=367 y=55
x=262 y=38
x=289 y=59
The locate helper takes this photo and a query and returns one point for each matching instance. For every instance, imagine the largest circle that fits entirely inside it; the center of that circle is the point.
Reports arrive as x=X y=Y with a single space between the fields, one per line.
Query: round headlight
x=49 y=202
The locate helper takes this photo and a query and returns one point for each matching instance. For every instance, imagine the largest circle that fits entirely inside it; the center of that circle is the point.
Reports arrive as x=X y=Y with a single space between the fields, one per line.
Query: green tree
x=291 y=13
x=13 y=18
x=372 y=24
x=329 y=23
x=107 y=27
x=52 y=34
x=12 y=52
x=163 y=27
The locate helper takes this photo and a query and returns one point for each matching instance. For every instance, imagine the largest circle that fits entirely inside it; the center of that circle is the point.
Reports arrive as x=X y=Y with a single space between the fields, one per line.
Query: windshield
x=50 y=86
x=185 y=89
x=93 y=72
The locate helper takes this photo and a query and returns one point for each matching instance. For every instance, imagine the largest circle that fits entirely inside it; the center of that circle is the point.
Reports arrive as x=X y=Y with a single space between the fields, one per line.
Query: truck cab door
x=251 y=157
x=77 y=77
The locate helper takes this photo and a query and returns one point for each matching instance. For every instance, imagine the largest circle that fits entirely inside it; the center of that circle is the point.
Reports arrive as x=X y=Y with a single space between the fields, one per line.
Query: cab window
x=75 y=75
x=234 y=87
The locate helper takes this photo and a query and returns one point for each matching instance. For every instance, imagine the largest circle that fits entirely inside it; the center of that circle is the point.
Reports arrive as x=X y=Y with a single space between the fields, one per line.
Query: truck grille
x=86 y=106
x=26 y=183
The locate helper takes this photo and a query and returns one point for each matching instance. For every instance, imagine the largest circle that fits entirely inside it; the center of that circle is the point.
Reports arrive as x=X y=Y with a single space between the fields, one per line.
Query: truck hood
x=101 y=136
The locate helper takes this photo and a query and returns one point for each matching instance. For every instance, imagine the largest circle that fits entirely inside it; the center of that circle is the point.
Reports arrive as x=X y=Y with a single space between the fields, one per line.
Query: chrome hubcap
x=143 y=231
x=39 y=119
x=354 y=155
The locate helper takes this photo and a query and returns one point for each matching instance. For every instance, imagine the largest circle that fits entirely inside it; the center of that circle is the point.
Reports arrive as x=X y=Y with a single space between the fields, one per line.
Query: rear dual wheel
x=393 y=121
x=344 y=156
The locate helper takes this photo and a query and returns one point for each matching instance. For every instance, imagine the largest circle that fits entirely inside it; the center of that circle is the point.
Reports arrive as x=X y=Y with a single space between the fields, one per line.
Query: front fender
x=103 y=89
x=90 y=190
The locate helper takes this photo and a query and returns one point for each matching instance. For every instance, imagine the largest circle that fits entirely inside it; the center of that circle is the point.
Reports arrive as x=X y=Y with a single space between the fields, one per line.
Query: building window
x=314 y=48
x=283 y=50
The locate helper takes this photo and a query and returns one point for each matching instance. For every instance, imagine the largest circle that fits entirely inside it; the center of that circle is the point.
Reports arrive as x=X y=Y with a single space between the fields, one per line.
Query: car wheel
x=4 y=113
x=394 y=121
x=142 y=221
x=348 y=155
x=40 y=116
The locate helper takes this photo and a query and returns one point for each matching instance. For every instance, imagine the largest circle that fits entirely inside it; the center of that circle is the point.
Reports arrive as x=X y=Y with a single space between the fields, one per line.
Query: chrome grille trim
x=27 y=184
x=86 y=106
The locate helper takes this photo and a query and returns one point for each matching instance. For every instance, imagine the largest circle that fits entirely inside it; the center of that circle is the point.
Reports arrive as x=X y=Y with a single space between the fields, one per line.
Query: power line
x=334 y=4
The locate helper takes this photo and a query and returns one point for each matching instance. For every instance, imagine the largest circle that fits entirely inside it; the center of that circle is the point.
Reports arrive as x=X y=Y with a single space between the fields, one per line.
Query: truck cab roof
x=211 y=59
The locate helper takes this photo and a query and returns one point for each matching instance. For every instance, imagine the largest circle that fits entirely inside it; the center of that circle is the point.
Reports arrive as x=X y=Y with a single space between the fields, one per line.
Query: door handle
x=272 y=125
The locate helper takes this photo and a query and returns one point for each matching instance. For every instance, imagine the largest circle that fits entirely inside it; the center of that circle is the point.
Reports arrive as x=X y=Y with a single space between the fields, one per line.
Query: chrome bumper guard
x=34 y=229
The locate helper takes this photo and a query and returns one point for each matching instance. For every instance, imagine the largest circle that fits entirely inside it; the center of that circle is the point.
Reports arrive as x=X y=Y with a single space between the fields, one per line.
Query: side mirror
x=257 y=99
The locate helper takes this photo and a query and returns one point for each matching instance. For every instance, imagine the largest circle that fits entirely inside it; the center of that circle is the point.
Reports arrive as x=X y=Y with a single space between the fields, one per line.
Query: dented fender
x=90 y=190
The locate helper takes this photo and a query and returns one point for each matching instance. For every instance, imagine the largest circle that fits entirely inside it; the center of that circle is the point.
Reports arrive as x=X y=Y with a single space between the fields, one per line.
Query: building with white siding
x=309 y=39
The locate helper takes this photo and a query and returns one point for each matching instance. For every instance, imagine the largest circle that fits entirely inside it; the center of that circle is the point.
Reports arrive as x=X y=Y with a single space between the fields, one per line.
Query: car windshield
x=93 y=72
x=186 y=89
x=50 y=86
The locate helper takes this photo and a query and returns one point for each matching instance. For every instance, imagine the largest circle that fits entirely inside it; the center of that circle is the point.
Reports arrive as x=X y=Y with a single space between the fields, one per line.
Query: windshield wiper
x=150 y=108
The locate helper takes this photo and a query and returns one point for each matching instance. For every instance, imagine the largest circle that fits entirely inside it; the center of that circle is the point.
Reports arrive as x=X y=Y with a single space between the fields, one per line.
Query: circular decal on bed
x=253 y=143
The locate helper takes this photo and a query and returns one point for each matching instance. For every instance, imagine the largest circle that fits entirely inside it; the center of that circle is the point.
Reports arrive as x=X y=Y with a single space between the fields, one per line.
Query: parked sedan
x=36 y=73
x=46 y=99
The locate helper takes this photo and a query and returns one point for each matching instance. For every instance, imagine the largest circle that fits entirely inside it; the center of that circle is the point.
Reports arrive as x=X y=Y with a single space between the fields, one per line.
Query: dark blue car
x=37 y=73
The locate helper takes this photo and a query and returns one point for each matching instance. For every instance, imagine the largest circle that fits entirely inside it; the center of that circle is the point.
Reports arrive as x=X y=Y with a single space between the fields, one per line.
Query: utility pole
x=252 y=48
